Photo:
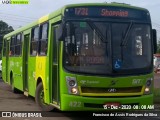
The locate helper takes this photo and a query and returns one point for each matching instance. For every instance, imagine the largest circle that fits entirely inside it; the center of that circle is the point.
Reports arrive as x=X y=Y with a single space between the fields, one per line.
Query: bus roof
x=60 y=12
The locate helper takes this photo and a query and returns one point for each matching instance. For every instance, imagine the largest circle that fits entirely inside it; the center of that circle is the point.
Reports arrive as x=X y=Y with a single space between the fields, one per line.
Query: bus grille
x=106 y=90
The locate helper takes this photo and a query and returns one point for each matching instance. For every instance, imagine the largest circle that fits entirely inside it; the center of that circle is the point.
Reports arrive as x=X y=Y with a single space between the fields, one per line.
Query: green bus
x=83 y=57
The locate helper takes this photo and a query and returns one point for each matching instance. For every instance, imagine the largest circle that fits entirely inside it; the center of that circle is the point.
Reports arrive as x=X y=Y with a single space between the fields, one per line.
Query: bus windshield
x=105 y=48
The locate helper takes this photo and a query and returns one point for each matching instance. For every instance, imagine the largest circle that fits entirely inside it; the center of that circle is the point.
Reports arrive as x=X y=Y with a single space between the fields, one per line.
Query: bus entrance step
x=57 y=106
x=26 y=93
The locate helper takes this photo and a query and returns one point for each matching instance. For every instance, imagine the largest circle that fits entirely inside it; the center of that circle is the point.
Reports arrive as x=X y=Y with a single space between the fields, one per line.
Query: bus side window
x=18 y=47
x=12 y=46
x=34 y=41
x=43 y=39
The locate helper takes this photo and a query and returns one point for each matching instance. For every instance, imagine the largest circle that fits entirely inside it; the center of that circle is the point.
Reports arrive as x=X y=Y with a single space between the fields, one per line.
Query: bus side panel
x=41 y=70
x=4 y=69
x=10 y=69
x=5 y=61
x=32 y=75
x=47 y=82
x=16 y=68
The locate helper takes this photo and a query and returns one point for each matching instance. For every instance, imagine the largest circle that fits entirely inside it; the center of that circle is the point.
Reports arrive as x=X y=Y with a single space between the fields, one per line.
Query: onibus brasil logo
x=14 y=1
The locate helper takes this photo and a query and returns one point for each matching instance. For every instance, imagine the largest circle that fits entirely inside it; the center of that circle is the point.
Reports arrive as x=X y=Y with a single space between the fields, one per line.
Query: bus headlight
x=74 y=90
x=148 y=86
x=147 y=89
x=72 y=85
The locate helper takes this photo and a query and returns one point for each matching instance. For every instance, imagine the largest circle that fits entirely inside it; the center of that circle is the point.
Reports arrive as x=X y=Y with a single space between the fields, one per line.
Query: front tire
x=39 y=98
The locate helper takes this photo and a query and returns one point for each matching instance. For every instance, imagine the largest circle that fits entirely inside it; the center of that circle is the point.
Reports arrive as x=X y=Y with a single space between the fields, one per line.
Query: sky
x=20 y=15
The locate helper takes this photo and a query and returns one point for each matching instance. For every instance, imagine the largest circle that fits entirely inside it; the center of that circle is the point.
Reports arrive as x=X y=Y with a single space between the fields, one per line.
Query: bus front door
x=55 y=73
x=25 y=62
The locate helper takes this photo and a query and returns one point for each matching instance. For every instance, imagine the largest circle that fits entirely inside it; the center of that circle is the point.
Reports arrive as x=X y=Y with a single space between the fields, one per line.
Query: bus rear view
x=107 y=57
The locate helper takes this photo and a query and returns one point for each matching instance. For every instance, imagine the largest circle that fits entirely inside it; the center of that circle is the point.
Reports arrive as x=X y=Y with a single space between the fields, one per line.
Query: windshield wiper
x=124 y=41
x=97 y=30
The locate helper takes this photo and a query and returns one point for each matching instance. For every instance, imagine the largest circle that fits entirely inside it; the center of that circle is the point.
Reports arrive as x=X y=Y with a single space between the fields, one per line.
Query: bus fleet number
x=75 y=104
x=81 y=11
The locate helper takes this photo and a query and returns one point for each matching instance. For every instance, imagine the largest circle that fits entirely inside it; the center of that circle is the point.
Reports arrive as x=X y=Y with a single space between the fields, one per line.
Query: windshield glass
x=104 y=48
x=136 y=51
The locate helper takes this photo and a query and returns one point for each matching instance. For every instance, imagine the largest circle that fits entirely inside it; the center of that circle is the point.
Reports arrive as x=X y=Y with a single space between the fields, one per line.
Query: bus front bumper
x=81 y=103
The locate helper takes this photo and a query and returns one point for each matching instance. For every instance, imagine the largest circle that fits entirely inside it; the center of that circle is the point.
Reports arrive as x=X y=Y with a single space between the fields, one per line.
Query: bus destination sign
x=103 y=12
x=106 y=11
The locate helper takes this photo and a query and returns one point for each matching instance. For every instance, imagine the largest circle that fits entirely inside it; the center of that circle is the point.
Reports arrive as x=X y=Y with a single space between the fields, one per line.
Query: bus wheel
x=39 y=98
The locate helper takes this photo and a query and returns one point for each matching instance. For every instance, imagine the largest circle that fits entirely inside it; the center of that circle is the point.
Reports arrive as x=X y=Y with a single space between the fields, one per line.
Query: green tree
x=158 y=46
x=4 y=29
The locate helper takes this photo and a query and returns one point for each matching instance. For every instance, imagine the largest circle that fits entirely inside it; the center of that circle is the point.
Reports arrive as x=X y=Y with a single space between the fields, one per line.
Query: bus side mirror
x=154 y=38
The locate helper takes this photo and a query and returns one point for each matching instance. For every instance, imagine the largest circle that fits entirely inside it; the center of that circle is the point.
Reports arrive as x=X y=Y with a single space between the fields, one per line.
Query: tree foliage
x=158 y=46
x=4 y=29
